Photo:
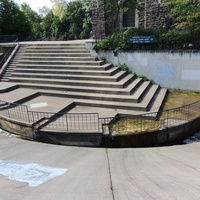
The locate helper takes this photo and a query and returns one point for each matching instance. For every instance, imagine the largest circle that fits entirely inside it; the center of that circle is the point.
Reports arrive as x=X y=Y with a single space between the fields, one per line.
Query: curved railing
x=164 y=119
x=68 y=122
x=91 y=122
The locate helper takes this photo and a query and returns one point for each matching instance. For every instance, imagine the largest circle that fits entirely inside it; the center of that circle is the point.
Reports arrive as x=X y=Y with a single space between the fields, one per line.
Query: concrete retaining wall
x=160 y=137
x=174 y=70
x=175 y=134
x=16 y=127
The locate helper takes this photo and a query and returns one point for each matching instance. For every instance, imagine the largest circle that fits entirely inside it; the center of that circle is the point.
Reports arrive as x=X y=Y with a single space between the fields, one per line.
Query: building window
x=129 y=19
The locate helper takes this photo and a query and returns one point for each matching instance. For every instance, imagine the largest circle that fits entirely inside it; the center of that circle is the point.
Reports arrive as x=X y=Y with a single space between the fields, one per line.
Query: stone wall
x=153 y=16
x=98 y=20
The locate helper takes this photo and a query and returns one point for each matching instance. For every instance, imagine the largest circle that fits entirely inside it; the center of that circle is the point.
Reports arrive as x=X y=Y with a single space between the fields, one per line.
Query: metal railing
x=90 y=122
x=162 y=120
x=13 y=39
x=68 y=122
x=8 y=38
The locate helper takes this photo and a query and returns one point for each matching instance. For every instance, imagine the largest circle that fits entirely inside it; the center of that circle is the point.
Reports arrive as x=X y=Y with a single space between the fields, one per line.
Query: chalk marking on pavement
x=31 y=173
x=38 y=105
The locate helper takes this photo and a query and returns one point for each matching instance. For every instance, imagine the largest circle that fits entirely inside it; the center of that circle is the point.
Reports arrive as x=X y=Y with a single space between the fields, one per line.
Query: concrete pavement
x=105 y=174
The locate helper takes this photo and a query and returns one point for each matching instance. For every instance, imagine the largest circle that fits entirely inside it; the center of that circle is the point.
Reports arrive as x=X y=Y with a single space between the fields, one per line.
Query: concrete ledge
x=167 y=136
x=16 y=127
x=70 y=139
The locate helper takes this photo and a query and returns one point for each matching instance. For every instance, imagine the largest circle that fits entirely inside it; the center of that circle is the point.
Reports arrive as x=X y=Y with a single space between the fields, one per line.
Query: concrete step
x=109 y=72
x=103 y=97
x=87 y=83
x=66 y=67
x=59 y=59
x=100 y=90
x=109 y=104
x=158 y=100
x=153 y=91
x=138 y=93
x=56 y=54
x=68 y=71
x=56 y=51
x=53 y=46
x=67 y=62
x=4 y=79
x=118 y=76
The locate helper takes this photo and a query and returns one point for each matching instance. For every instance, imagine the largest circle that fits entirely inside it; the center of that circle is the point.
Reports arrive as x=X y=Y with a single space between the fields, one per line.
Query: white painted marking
x=38 y=105
x=31 y=173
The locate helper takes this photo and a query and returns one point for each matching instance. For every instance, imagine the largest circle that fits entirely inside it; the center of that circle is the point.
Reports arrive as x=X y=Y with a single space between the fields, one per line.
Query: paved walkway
x=166 y=173
x=51 y=104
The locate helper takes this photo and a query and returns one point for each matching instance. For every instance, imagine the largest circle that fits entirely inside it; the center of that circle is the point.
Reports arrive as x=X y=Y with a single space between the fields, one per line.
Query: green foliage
x=123 y=67
x=103 y=58
x=104 y=44
x=13 y=20
x=119 y=40
x=63 y=22
x=34 y=21
x=59 y=8
x=79 y=24
x=186 y=13
x=175 y=39
x=144 y=78
x=165 y=40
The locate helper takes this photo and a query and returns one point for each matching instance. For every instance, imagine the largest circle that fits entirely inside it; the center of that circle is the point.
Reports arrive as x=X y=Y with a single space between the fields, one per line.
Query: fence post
x=66 y=123
x=27 y=112
x=8 y=111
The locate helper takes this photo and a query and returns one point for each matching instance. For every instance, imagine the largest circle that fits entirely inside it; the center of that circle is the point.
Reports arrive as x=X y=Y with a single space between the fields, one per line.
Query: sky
x=35 y=5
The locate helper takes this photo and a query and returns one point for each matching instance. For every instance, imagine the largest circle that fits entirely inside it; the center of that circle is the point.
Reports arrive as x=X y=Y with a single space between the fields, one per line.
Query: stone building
x=152 y=15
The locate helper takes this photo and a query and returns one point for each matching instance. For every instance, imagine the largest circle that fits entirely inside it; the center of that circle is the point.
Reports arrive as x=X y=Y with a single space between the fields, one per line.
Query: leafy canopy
x=186 y=13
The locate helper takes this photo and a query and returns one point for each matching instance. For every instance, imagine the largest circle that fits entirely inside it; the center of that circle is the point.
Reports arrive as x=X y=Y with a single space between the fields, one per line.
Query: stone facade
x=153 y=15
x=98 y=20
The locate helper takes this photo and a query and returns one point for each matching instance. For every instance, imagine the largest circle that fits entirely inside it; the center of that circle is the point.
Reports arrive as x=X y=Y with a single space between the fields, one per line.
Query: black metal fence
x=8 y=38
x=13 y=39
x=162 y=120
x=69 y=122
x=91 y=122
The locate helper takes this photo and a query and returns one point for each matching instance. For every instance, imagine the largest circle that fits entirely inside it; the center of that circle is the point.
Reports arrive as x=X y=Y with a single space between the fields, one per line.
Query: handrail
x=167 y=118
x=8 y=38
x=5 y=57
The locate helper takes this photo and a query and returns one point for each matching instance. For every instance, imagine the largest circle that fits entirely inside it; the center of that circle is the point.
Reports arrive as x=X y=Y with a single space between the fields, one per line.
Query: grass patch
x=176 y=99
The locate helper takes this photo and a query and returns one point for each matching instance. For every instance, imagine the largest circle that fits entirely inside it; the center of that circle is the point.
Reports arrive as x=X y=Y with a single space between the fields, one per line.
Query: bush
x=123 y=67
x=172 y=39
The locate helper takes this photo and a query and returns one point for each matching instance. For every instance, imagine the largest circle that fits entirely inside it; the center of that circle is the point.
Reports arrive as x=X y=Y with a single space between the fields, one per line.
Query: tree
x=78 y=20
x=12 y=20
x=186 y=15
x=50 y=25
x=43 y=11
x=34 y=20
x=59 y=7
x=185 y=12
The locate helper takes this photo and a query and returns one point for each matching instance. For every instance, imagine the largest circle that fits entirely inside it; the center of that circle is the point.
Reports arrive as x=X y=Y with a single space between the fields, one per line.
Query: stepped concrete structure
x=63 y=77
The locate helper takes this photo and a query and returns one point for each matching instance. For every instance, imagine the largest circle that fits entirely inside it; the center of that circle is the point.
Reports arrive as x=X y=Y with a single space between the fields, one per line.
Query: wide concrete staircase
x=68 y=70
